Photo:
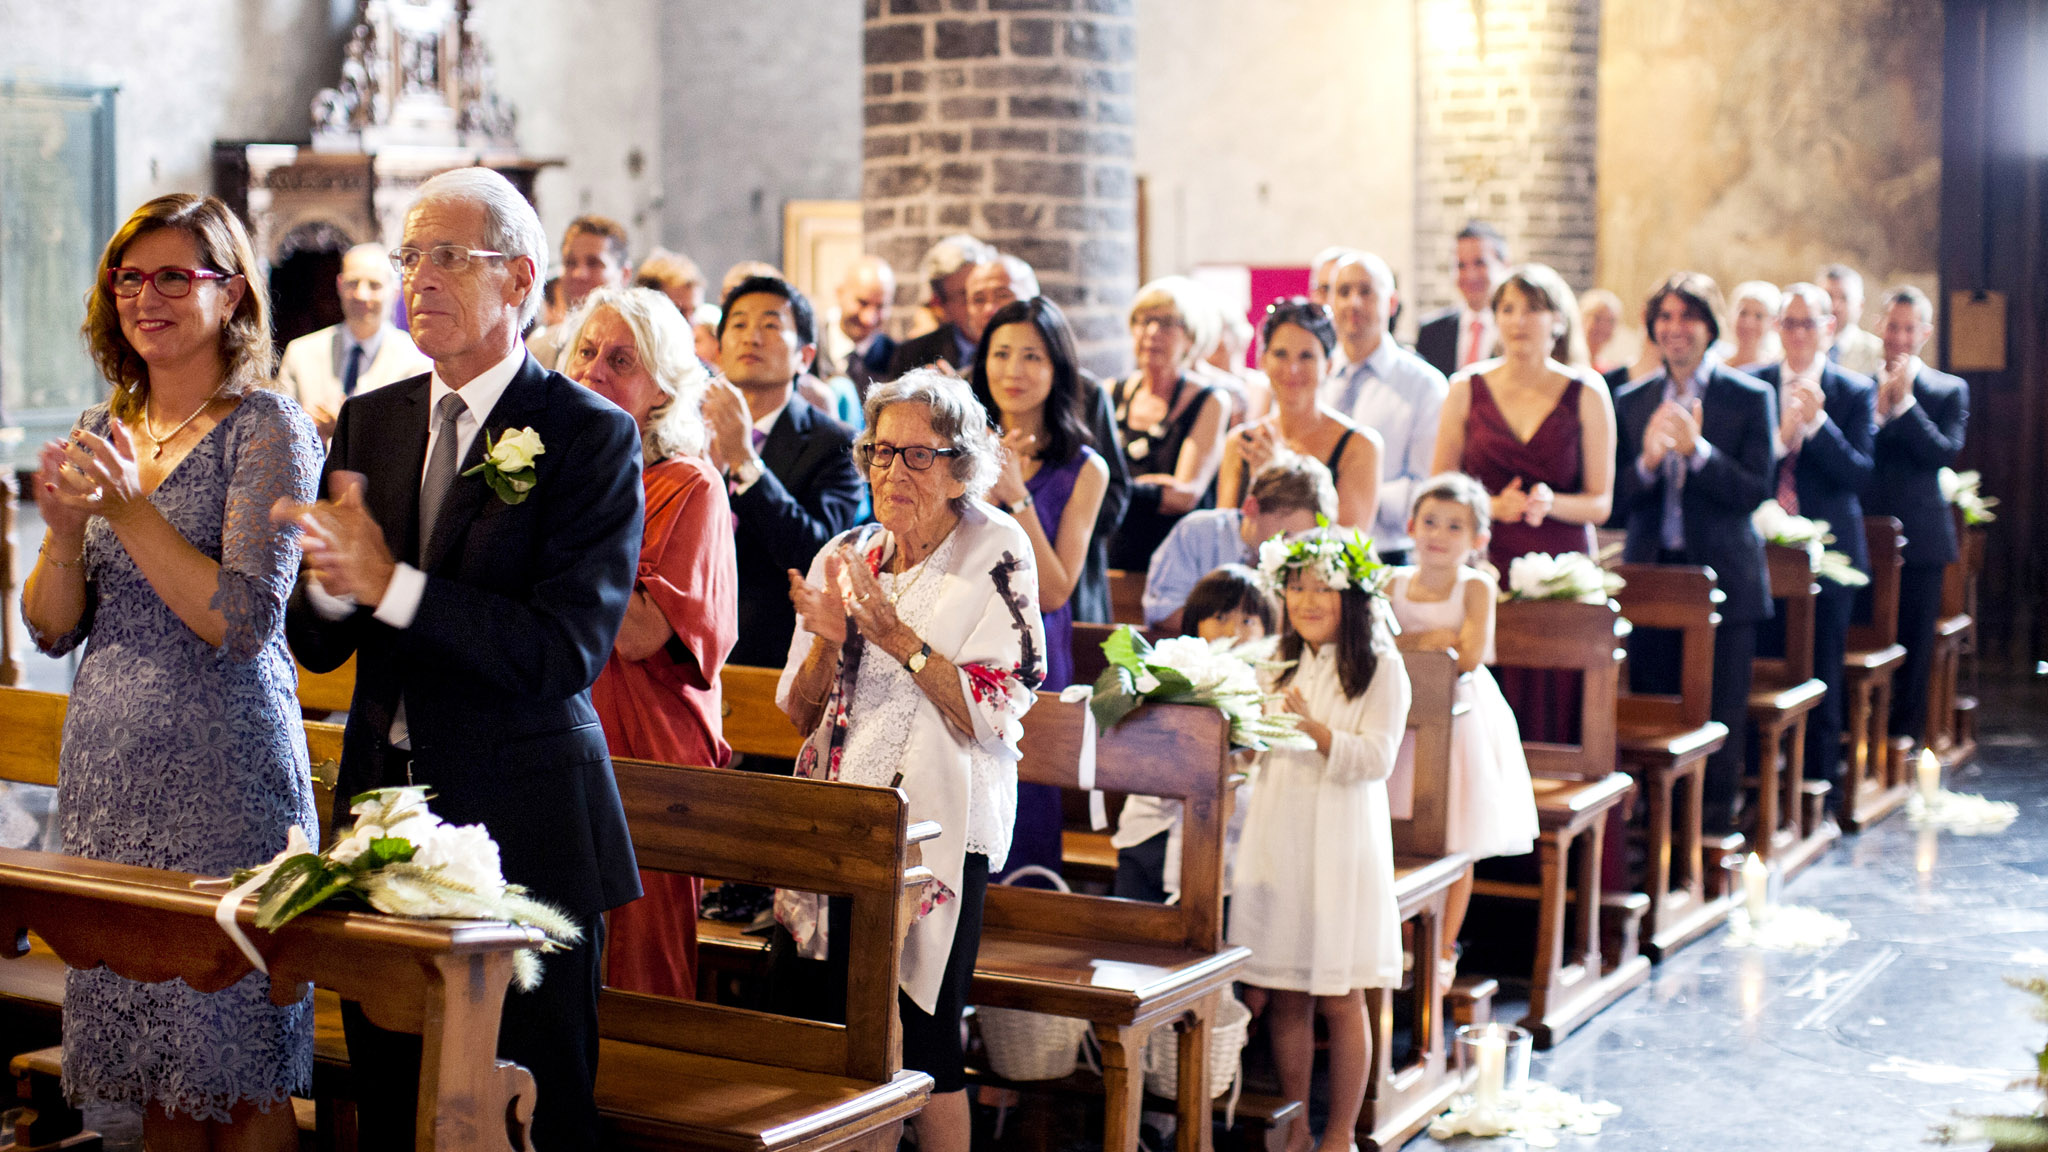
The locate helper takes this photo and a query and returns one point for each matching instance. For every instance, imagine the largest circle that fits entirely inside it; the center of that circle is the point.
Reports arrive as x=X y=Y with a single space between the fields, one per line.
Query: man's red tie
x=1788 y=483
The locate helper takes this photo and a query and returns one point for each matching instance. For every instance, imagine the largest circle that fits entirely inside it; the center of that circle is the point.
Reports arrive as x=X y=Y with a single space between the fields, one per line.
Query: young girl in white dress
x=1315 y=871
x=1442 y=602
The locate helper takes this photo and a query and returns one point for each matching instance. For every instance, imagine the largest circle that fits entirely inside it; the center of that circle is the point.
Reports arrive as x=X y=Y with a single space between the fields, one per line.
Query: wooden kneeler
x=1875 y=775
x=1401 y=1101
x=1665 y=741
x=1782 y=695
x=1572 y=978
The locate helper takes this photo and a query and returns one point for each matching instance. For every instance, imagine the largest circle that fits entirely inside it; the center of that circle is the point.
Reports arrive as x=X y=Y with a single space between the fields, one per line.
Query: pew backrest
x=1432 y=709
x=328 y=692
x=842 y=840
x=1682 y=599
x=1887 y=542
x=1568 y=636
x=1794 y=587
x=1127 y=597
x=1179 y=751
x=754 y=724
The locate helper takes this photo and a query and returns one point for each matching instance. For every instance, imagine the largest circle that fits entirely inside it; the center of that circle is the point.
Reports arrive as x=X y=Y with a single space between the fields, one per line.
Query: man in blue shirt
x=1378 y=384
x=1285 y=497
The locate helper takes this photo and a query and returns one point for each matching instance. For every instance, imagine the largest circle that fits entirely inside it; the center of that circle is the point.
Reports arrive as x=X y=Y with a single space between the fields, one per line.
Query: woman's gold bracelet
x=53 y=562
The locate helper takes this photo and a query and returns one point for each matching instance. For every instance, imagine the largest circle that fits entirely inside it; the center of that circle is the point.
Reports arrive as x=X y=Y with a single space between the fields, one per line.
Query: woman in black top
x=1173 y=424
x=1296 y=340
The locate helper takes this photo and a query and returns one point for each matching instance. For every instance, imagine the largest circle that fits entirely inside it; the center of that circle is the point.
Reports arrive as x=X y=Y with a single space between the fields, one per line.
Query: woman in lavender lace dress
x=182 y=745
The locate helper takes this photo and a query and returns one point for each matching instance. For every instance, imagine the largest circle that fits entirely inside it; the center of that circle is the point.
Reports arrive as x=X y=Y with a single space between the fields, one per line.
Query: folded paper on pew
x=401 y=860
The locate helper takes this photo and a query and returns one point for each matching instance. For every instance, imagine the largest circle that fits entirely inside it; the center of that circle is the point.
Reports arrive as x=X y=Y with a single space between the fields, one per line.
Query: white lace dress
x=1315 y=870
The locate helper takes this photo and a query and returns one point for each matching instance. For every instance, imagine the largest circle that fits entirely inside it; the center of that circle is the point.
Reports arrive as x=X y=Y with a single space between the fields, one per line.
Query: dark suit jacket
x=1090 y=600
x=928 y=349
x=1912 y=449
x=1738 y=422
x=866 y=368
x=1834 y=466
x=809 y=493
x=1437 y=340
x=522 y=606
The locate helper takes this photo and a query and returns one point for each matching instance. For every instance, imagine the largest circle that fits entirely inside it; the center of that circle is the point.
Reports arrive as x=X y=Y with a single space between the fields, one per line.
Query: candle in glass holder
x=1930 y=775
x=1756 y=888
x=1490 y=1051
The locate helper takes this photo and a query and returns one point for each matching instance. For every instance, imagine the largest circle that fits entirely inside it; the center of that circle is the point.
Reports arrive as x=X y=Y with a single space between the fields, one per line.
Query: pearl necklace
x=149 y=426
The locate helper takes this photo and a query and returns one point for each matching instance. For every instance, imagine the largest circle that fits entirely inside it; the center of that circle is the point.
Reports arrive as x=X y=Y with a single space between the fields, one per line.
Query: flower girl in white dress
x=1441 y=602
x=1315 y=871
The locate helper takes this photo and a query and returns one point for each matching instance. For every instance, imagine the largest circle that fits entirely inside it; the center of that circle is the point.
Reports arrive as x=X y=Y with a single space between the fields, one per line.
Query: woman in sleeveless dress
x=1027 y=376
x=1173 y=425
x=1298 y=338
x=183 y=747
x=1538 y=432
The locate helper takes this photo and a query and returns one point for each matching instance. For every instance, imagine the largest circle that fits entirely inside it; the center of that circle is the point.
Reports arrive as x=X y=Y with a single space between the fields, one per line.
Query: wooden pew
x=1951 y=733
x=687 y=1074
x=1874 y=773
x=1576 y=786
x=12 y=641
x=1401 y=1100
x=1782 y=695
x=324 y=694
x=1127 y=597
x=443 y=980
x=1664 y=741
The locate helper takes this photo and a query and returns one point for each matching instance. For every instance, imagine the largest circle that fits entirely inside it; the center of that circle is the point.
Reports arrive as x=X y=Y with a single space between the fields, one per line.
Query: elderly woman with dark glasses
x=182 y=745
x=920 y=649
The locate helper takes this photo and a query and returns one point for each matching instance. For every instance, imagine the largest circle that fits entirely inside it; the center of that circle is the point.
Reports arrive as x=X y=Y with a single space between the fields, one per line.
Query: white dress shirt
x=1397 y=394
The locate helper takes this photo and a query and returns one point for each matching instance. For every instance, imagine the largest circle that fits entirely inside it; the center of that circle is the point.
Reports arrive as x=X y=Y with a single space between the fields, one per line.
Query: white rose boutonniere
x=508 y=463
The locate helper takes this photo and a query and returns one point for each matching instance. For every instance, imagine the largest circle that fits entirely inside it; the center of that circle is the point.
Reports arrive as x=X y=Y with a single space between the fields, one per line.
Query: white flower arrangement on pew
x=1190 y=670
x=1569 y=576
x=1964 y=490
x=1778 y=526
x=402 y=860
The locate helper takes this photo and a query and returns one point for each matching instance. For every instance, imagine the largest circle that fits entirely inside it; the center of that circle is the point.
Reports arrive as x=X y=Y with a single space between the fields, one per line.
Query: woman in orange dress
x=658 y=695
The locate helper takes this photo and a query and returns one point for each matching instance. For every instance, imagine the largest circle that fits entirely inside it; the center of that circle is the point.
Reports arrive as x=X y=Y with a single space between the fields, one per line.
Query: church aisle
x=1868 y=1045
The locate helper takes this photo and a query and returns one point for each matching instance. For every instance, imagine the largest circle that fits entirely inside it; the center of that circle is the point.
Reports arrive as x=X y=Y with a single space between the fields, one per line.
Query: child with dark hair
x=1230 y=603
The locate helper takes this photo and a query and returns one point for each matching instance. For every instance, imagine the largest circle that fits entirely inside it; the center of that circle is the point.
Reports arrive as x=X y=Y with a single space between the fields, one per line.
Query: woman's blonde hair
x=1193 y=305
x=669 y=350
x=223 y=246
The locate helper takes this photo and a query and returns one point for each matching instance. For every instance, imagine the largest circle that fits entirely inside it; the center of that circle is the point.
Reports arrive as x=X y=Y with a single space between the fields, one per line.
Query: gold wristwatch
x=918 y=658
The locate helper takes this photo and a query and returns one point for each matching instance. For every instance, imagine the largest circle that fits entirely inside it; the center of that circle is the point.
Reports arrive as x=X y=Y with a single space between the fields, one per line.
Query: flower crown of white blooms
x=1341 y=558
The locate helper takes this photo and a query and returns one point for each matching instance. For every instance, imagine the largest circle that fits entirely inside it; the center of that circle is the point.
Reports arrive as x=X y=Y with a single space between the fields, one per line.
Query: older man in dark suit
x=1694 y=458
x=1825 y=427
x=479 y=625
x=790 y=466
x=1921 y=417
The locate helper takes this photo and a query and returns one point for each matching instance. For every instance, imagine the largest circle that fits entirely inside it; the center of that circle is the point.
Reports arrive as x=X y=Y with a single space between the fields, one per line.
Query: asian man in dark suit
x=1827 y=418
x=1921 y=415
x=1695 y=456
x=479 y=625
x=790 y=466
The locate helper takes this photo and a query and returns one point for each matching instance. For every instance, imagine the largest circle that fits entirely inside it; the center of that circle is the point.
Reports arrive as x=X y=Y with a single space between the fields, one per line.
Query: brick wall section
x=1505 y=132
x=1011 y=120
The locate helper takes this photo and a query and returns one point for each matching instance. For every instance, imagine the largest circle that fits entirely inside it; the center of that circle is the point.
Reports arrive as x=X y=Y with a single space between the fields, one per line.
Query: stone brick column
x=1505 y=132
x=1010 y=120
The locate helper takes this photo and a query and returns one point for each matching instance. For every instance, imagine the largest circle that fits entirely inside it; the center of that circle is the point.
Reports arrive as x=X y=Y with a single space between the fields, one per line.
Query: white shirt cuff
x=402 y=596
x=1814 y=425
x=1701 y=451
x=747 y=475
x=327 y=604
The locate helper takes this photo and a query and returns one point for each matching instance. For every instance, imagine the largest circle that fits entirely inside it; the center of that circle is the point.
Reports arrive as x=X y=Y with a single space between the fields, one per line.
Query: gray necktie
x=440 y=467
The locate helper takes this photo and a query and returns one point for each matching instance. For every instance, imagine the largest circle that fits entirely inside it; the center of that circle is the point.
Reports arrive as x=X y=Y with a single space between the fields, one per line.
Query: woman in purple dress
x=182 y=743
x=1538 y=431
x=1052 y=481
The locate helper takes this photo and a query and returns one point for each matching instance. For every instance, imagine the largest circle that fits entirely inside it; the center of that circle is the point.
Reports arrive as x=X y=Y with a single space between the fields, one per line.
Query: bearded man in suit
x=789 y=465
x=479 y=625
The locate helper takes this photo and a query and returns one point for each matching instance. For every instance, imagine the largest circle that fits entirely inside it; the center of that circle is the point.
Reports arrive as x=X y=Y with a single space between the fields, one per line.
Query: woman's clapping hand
x=87 y=476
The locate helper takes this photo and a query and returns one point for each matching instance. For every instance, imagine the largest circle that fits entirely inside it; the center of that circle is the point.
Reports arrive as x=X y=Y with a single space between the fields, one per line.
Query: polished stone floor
x=1864 y=1046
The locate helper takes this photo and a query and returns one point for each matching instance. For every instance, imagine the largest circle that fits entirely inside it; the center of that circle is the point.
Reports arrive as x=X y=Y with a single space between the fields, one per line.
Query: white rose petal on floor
x=1533 y=1114
x=1963 y=813
x=1789 y=928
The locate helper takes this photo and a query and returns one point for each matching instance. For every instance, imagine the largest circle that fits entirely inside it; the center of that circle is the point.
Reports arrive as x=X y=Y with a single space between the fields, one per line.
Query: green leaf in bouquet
x=1115 y=697
x=385 y=850
x=299 y=884
x=1173 y=684
x=1126 y=649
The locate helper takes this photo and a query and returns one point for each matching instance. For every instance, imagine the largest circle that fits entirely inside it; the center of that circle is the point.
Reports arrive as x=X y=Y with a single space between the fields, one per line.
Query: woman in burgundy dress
x=658 y=696
x=1539 y=433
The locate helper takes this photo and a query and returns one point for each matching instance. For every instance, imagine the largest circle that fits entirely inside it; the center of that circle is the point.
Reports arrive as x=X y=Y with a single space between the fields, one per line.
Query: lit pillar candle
x=1756 y=888
x=1930 y=775
x=1490 y=1052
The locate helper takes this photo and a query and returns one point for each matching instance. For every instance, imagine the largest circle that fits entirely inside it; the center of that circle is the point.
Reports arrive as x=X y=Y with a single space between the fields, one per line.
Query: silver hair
x=1850 y=279
x=952 y=254
x=1907 y=294
x=1023 y=281
x=1762 y=291
x=1818 y=302
x=510 y=224
x=668 y=348
x=956 y=416
x=1381 y=272
x=1195 y=306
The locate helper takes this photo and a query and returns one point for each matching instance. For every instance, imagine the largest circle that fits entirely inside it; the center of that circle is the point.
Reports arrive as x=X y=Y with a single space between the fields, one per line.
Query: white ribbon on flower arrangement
x=1098 y=805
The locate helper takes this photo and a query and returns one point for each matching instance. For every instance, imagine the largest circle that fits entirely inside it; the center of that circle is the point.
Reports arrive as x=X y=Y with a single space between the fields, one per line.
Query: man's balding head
x=865 y=294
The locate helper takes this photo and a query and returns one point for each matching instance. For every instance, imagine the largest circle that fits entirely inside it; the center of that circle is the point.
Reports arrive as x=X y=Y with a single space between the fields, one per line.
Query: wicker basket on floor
x=1226 y=1045
x=1031 y=1045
